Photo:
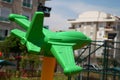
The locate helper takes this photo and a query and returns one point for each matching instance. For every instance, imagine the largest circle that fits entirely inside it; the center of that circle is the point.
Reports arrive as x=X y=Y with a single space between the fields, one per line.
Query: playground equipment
x=109 y=69
x=55 y=45
x=6 y=63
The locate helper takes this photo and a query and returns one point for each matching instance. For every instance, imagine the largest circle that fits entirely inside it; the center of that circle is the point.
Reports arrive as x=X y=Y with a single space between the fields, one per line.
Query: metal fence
x=108 y=61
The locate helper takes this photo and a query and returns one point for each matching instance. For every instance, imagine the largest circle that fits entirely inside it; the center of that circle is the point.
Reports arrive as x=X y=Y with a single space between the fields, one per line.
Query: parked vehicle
x=91 y=67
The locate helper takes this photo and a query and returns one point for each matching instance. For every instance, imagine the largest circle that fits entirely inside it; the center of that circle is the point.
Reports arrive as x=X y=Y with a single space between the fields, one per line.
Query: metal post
x=104 y=62
x=114 y=72
x=48 y=68
x=107 y=56
x=69 y=77
x=88 y=74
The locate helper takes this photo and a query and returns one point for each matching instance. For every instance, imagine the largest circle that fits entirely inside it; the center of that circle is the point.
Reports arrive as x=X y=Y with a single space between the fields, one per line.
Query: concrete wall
x=17 y=7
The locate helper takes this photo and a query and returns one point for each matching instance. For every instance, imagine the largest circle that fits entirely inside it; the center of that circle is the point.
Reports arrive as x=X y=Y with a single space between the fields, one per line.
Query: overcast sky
x=62 y=10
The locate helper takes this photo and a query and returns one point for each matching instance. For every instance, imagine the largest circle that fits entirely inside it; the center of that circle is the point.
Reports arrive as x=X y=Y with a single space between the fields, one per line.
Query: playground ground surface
x=56 y=77
x=60 y=76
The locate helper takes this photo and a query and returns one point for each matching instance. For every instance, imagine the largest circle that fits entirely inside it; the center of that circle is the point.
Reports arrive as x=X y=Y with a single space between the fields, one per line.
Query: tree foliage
x=12 y=45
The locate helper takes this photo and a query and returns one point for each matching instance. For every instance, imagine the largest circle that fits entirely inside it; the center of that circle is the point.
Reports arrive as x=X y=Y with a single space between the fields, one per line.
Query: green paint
x=58 y=44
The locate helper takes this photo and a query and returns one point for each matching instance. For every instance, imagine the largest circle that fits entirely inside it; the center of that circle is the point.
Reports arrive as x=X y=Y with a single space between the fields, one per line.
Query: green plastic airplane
x=57 y=44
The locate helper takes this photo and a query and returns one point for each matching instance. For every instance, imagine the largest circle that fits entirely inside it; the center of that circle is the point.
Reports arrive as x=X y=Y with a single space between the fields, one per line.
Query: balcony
x=27 y=5
x=112 y=35
x=109 y=28
x=2 y=19
x=72 y=27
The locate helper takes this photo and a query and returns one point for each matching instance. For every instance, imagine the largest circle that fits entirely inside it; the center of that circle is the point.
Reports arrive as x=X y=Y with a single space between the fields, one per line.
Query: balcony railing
x=27 y=5
x=4 y=19
x=109 y=28
x=9 y=1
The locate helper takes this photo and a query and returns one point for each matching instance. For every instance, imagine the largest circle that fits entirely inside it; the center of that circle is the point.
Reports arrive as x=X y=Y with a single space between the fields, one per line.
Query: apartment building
x=23 y=7
x=99 y=26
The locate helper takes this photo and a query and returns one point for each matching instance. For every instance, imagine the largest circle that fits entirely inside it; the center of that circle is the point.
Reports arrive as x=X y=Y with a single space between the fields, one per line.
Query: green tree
x=12 y=45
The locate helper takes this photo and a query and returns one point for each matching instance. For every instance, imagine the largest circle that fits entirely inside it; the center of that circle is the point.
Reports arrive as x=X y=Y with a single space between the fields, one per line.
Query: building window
x=79 y=26
x=73 y=26
x=27 y=14
x=4 y=13
x=91 y=33
x=100 y=34
x=3 y=34
x=101 y=24
x=88 y=23
x=9 y=1
x=27 y=3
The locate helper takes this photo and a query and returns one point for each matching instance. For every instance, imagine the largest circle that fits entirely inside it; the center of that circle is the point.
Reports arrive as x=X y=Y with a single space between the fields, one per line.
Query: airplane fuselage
x=72 y=37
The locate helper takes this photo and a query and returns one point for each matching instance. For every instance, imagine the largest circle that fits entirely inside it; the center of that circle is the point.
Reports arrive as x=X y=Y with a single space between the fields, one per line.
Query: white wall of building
x=93 y=24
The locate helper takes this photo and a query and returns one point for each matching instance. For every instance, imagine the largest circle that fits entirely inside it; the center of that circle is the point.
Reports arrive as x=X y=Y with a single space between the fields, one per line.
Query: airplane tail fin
x=34 y=36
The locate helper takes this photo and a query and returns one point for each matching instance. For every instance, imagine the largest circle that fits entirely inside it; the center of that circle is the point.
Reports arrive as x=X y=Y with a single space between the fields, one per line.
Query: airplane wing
x=65 y=57
x=21 y=20
x=20 y=34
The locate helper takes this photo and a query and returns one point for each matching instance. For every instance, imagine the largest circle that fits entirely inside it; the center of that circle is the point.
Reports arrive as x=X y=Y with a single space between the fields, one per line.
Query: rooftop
x=94 y=16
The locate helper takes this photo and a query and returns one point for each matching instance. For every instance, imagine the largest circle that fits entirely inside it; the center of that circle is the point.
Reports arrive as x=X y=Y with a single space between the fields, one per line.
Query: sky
x=62 y=10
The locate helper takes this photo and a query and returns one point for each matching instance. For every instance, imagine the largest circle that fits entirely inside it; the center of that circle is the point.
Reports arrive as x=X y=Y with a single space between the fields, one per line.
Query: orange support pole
x=48 y=67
